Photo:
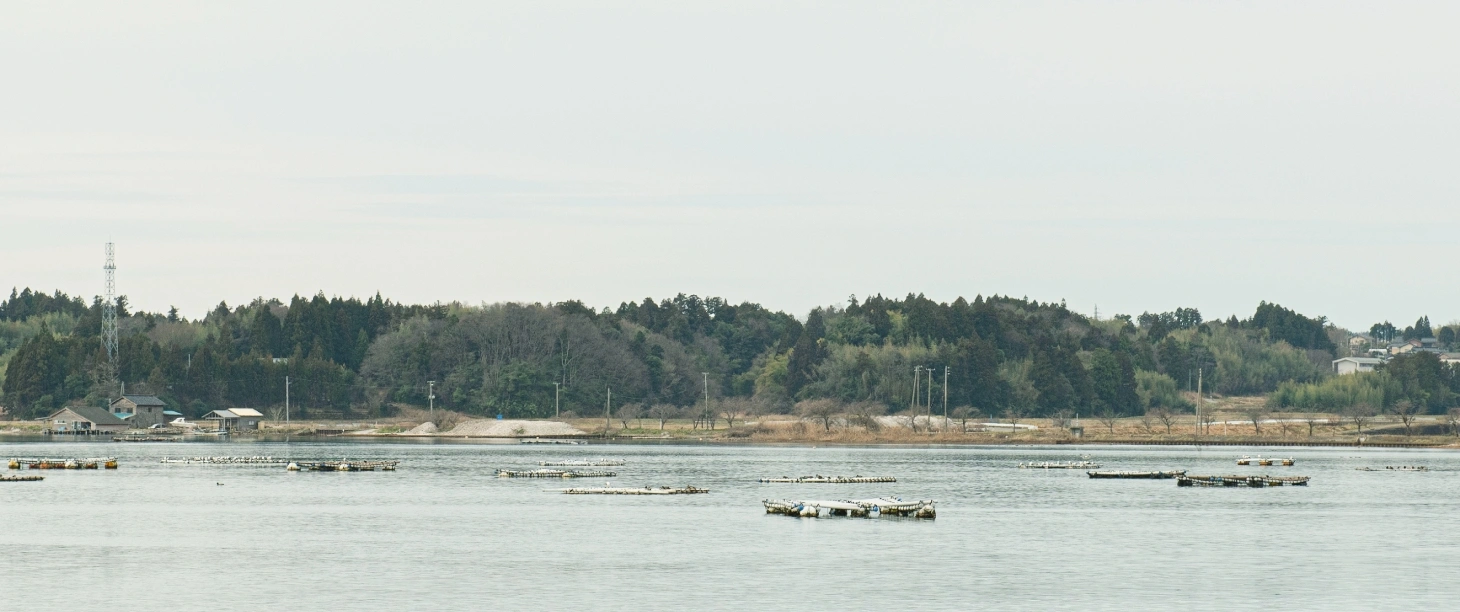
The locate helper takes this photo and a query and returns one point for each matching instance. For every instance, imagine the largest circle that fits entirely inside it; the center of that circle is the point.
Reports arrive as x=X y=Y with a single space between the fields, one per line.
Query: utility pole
x=557 y=386
x=1198 y=399
x=286 y=395
x=707 y=400
x=946 y=369
x=431 y=399
x=607 y=413
x=930 y=398
x=917 y=377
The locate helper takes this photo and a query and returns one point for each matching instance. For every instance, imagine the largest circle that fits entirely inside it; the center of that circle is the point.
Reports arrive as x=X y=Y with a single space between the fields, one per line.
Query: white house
x=1350 y=365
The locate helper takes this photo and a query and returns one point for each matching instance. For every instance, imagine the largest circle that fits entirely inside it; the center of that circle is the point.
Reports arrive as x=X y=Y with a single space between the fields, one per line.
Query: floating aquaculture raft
x=1260 y=460
x=595 y=463
x=1147 y=475
x=1395 y=468
x=882 y=506
x=21 y=478
x=226 y=460
x=341 y=466
x=1241 y=481
x=91 y=463
x=1061 y=465
x=831 y=479
x=553 y=474
x=631 y=490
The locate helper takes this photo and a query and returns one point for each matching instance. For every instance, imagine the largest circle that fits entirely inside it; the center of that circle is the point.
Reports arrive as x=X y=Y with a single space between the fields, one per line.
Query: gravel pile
x=508 y=428
x=421 y=430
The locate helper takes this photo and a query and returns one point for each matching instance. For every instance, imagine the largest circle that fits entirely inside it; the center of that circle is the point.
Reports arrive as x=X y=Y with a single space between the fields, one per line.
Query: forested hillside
x=348 y=356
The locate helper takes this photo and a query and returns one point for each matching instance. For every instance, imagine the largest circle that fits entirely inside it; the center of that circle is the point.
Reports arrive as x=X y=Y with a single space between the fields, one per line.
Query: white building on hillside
x=1350 y=365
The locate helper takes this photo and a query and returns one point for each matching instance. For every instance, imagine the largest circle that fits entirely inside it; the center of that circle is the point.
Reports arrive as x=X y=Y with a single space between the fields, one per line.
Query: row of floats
x=876 y=507
x=90 y=463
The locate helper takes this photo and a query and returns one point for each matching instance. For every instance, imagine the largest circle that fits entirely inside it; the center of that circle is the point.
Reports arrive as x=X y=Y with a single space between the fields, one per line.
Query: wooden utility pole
x=607 y=415
x=557 y=386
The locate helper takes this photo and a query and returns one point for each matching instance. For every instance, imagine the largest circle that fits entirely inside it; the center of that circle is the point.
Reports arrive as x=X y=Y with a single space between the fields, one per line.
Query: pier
x=1242 y=481
x=829 y=479
x=341 y=466
x=882 y=506
x=553 y=474
x=596 y=463
x=1136 y=475
x=632 y=490
x=91 y=463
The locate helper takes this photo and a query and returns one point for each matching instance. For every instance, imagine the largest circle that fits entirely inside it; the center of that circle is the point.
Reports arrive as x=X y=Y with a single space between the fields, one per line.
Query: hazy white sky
x=1138 y=156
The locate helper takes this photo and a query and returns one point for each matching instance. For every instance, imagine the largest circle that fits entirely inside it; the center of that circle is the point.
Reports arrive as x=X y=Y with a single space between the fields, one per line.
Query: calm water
x=444 y=534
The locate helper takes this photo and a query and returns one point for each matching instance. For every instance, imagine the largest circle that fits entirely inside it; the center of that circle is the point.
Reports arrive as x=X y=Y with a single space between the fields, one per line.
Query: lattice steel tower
x=109 y=307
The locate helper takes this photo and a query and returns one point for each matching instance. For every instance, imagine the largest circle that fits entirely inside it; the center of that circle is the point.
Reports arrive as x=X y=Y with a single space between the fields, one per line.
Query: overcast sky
x=1138 y=156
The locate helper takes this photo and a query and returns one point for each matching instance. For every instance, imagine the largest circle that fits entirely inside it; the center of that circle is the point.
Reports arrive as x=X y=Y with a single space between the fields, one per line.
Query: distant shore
x=781 y=429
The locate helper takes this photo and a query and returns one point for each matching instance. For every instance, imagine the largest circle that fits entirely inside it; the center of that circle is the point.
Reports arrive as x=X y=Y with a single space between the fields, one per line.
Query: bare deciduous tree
x=629 y=412
x=963 y=414
x=1313 y=421
x=1014 y=414
x=1164 y=415
x=663 y=412
x=1406 y=411
x=865 y=414
x=1060 y=419
x=735 y=408
x=1256 y=414
x=1360 y=414
x=1452 y=418
x=822 y=411
x=1108 y=417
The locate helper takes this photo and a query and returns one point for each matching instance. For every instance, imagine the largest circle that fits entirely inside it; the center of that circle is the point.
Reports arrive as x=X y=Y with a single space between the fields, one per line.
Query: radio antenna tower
x=109 y=307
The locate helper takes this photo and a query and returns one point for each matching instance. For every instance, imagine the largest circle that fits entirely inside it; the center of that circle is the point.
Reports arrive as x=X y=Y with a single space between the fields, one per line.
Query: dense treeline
x=993 y=354
x=1420 y=379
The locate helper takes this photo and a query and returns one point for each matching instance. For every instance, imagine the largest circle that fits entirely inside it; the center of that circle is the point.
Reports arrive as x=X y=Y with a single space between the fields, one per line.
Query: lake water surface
x=443 y=533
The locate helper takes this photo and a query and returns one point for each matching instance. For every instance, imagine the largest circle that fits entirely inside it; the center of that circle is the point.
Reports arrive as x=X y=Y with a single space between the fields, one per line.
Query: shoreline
x=727 y=440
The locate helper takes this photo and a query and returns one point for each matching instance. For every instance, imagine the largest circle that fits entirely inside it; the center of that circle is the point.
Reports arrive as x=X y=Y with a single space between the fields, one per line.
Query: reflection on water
x=443 y=533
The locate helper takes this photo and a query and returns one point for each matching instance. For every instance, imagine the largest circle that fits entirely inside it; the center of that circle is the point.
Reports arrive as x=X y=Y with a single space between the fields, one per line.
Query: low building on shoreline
x=236 y=418
x=72 y=419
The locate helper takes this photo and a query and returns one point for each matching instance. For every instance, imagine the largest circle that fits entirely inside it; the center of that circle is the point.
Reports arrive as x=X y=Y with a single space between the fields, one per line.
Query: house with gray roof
x=85 y=418
x=140 y=411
